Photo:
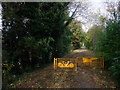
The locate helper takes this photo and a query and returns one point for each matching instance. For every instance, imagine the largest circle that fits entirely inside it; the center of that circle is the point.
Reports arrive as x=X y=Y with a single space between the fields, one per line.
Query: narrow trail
x=85 y=77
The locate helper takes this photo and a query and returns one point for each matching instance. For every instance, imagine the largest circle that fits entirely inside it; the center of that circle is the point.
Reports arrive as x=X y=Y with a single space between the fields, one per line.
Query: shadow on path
x=85 y=77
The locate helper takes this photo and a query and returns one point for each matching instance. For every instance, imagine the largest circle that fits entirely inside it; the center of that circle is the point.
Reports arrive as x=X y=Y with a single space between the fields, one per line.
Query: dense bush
x=77 y=34
x=105 y=42
x=33 y=34
x=110 y=46
x=92 y=36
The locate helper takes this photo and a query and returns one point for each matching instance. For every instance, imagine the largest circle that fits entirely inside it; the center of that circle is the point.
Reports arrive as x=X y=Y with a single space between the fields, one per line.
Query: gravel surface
x=84 y=77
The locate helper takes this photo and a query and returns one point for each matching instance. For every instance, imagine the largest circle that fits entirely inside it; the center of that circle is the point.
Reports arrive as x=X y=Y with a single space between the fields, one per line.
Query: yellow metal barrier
x=73 y=63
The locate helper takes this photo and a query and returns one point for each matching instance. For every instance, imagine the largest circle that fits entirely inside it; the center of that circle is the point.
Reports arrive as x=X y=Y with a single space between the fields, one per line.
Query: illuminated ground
x=85 y=77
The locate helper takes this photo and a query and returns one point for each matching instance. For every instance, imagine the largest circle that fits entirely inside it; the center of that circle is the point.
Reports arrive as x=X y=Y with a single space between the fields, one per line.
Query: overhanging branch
x=70 y=19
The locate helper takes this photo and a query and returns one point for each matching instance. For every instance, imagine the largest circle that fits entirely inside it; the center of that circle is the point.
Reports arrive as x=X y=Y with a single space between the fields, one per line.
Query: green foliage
x=109 y=46
x=105 y=42
x=115 y=69
x=93 y=36
x=33 y=34
x=87 y=42
x=78 y=34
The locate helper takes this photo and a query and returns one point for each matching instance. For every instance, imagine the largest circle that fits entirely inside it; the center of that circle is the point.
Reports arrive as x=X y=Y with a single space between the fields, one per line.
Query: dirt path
x=85 y=77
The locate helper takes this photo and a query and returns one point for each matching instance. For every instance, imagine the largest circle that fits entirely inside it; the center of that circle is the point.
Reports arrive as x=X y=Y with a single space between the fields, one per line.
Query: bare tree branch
x=70 y=19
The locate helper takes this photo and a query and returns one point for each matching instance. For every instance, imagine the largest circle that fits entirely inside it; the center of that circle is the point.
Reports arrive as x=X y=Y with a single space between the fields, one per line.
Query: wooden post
x=76 y=62
x=55 y=63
